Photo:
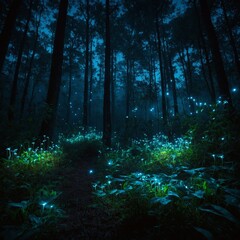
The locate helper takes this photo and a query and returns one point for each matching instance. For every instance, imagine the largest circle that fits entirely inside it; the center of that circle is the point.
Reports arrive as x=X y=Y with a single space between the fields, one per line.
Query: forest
x=119 y=119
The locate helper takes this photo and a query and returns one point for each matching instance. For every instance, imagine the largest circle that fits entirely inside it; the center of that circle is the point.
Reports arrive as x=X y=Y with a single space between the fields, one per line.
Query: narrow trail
x=83 y=219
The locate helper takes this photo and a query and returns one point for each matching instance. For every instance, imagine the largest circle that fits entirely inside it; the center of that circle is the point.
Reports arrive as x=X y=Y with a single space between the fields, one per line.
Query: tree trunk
x=85 y=99
x=91 y=82
x=7 y=30
x=190 y=98
x=190 y=81
x=27 y=80
x=231 y=38
x=174 y=90
x=204 y=72
x=163 y=89
x=107 y=83
x=217 y=58
x=210 y=76
x=128 y=92
x=48 y=123
x=69 y=89
x=14 y=89
x=113 y=88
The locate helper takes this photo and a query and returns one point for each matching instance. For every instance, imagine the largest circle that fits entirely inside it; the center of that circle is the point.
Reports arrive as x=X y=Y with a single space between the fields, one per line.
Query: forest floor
x=79 y=190
x=83 y=219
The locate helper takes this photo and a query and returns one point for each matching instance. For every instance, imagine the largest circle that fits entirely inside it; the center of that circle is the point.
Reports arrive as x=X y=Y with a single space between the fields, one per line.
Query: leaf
x=100 y=193
x=129 y=187
x=173 y=194
x=220 y=211
x=192 y=171
x=113 y=191
x=199 y=194
x=120 y=192
x=118 y=180
x=35 y=220
x=204 y=232
x=161 y=200
x=137 y=183
x=22 y=204
x=52 y=198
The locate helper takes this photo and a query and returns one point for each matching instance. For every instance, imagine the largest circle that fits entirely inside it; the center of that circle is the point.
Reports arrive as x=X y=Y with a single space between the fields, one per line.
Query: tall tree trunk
x=85 y=99
x=113 y=87
x=190 y=81
x=174 y=90
x=202 y=39
x=204 y=72
x=128 y=93
x=91 y=81
x=34 y=86
x=7 y=30
x=27 y=80
x=231 y=38
x=156 y=94
x=69 y=89
x=107 y=83
x=217 y=58
x=14 y=89
x=184 y=67
x=48 y=123
x=163 y=89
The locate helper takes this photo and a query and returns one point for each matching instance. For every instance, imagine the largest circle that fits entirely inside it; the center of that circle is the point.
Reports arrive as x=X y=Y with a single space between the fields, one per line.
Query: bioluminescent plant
x=83 y=144
x=35 y=158
x=148 y=154
x=91 y=134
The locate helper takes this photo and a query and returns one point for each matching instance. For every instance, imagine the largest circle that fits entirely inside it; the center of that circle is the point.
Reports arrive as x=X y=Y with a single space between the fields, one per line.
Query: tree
x=202 y=44
x=231 y=38
x=217 y=58
x=107 y=82
x=7 y=30
x=85 y=94
x=14 y=89
x=48 y=123
x=29 y=71
x=163 y=83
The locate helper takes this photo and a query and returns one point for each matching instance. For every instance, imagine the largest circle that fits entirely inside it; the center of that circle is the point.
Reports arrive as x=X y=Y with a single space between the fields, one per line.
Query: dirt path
x=84 y=220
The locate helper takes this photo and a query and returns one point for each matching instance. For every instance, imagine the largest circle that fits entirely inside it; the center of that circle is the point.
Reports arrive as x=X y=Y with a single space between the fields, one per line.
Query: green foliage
x=34 y=158
x=28 y=197
x=83 y=144
x=187 y=181
x=152 y=183
x=150 y=155
x=215 y=134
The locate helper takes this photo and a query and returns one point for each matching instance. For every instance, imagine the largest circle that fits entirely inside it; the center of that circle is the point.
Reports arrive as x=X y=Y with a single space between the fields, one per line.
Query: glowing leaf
x=199 y=194
x=113 y=191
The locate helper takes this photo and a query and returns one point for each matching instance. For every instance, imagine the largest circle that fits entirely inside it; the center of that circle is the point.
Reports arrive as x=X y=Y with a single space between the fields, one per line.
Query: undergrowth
x=83 y=144
x=28 y=199
x=188 y=187
x=154 y=187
